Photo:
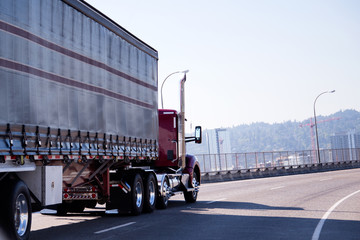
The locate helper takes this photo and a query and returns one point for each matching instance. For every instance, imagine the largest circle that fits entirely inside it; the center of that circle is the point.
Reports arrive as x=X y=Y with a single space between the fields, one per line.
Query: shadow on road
x=199 y=221
x=245 y=206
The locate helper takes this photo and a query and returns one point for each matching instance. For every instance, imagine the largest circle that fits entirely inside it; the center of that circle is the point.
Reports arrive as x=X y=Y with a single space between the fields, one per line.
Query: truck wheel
x=191 y=197
x=150 y=193
x=18 y=210
x=163 y=198
x=137 y=195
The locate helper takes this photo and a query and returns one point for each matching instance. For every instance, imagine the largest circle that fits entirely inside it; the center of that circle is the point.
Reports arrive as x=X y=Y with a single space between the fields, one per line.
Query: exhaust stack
x=182 y=150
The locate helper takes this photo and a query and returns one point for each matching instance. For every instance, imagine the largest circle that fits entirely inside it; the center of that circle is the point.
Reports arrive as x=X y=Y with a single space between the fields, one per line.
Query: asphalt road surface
x=308 y=206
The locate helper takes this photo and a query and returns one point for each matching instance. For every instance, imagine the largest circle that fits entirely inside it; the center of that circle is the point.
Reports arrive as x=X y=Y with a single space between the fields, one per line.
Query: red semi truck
x=79 y=117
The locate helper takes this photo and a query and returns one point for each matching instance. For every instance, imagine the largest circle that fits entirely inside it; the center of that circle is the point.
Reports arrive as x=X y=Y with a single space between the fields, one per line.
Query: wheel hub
x=21 y=214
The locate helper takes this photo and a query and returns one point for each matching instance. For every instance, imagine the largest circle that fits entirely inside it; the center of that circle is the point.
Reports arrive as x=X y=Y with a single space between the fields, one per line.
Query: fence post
x=337 y=155
x=287 y=156
x=246 y=165
x=215 y=163
x=236 y=162
x=256 y=160
x=280 y=159
x=226 y=163
x=264 y=160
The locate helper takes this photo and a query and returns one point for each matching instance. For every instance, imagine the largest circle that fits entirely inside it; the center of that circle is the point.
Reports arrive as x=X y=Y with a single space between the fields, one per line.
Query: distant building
x=215 y=141
x=218 y=141
x=345 y=146
x=215 y=147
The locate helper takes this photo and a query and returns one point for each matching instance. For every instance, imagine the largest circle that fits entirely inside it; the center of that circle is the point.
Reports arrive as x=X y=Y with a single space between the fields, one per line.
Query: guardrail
x=276 y=162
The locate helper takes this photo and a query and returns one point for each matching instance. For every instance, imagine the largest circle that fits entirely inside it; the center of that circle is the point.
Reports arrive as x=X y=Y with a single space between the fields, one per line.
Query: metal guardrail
x=211 y=163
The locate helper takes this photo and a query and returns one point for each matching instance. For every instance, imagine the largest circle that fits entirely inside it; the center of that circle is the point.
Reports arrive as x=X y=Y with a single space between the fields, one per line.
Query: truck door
x=168 y=138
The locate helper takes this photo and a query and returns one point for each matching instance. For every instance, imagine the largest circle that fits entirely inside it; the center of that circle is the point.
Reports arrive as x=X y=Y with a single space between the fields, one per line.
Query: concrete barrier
x=230 y=175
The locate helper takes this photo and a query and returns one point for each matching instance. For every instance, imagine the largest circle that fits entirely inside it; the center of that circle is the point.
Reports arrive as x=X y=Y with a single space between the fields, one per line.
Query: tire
x=17 y=210
x=150 y=193
x=191 y=197
x=137 y=195
x=162 y=201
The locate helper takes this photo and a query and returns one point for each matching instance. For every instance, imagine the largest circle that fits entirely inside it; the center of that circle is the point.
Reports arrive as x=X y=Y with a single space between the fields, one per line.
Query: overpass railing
x=266 y=160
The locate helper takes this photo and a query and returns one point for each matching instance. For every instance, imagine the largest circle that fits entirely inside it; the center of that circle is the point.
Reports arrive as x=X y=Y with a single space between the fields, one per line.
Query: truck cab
x=174 y=175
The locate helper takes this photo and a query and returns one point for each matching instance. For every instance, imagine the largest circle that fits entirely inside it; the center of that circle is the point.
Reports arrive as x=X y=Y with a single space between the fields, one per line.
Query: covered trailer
x=69 y=72
x=79 y=119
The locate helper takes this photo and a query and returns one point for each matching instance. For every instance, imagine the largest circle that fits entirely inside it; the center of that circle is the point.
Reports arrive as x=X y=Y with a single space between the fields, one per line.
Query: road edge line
x=218 y=200
x=113 y=228
x=319 y=226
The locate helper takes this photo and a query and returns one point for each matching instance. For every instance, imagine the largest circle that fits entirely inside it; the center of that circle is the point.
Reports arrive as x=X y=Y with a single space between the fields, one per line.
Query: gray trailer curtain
x=62 y=69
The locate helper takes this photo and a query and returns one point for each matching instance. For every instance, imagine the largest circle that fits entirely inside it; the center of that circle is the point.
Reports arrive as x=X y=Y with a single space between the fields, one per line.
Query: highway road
x=308 y=206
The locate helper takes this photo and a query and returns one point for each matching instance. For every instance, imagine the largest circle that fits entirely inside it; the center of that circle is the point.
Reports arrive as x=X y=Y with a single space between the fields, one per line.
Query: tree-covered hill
x=290 y=135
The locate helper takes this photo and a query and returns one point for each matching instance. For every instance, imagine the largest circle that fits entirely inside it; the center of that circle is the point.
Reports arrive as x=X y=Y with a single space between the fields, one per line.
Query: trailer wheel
x=191 y=197
x=150 y=193
x=137 y=195
x=17 y=211
x=163 y=197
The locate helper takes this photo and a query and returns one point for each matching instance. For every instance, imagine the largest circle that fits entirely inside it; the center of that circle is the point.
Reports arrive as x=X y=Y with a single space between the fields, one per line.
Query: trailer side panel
x=62 y=69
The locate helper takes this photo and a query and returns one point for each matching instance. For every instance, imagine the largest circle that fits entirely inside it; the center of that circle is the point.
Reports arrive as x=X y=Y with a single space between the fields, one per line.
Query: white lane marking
x=218 y=200
x=325 y=179
x=318 y=228
x=113 y=228
x=277 y=187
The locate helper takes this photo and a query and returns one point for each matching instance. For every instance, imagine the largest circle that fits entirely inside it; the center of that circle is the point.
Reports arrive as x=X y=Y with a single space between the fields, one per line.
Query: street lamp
x=317 y=137
x=162 y=104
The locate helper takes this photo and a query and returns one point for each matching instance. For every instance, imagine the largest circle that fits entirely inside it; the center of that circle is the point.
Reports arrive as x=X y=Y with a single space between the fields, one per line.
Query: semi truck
x=79 y=117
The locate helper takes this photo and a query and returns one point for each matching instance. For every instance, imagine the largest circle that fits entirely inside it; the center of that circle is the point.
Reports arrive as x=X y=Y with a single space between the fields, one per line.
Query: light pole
x=317 y=137
x=162 y=104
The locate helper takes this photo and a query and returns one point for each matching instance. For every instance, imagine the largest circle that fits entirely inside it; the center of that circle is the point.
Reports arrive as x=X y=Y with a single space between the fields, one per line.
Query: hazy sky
x=250 y=61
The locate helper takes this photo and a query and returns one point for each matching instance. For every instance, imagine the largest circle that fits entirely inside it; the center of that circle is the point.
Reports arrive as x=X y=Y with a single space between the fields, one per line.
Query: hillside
x=290 y=135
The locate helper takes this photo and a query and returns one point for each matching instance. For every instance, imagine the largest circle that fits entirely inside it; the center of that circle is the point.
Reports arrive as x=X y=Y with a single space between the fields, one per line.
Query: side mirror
x=198 y=134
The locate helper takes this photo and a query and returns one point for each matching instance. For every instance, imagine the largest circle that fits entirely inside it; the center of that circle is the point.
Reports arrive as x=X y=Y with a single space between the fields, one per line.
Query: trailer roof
x=105 y=21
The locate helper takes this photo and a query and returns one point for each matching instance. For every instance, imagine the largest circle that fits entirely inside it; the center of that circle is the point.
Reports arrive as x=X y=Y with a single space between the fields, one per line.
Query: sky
x=250 y=61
